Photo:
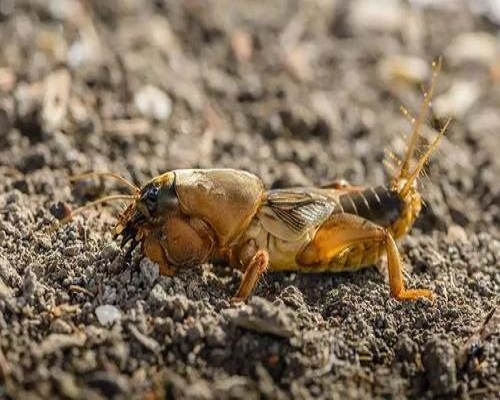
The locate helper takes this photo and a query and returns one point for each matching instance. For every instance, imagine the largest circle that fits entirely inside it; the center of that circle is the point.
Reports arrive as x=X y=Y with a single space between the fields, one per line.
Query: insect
x=192 y=216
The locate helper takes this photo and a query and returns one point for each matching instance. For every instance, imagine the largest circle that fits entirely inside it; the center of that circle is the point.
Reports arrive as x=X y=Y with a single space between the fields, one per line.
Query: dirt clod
x=440 y=368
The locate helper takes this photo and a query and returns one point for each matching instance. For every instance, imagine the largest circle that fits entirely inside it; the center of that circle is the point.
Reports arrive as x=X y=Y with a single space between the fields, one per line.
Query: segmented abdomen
x=379 y=205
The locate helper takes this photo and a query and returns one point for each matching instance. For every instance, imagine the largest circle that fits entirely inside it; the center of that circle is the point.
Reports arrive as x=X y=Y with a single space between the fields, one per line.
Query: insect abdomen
x=379 y=205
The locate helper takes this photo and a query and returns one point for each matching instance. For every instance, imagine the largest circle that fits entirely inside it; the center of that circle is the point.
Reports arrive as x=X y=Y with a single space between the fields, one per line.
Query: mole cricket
x=188 y=217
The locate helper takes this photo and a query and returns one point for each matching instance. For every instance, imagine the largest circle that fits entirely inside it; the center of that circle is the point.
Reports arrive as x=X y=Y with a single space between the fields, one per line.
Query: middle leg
x=257 y=265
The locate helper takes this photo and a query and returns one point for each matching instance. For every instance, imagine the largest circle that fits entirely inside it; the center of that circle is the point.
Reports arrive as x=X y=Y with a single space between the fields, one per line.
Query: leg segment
x=395 y=267
x=153 y=249
x=342 y=240
x=253 y=271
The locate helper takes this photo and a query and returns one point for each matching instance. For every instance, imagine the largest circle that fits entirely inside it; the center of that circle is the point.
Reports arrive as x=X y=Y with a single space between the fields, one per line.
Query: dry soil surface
x=296 y=92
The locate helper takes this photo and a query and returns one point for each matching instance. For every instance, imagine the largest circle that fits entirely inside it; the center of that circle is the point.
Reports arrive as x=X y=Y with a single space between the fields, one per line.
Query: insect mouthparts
x=128 y=234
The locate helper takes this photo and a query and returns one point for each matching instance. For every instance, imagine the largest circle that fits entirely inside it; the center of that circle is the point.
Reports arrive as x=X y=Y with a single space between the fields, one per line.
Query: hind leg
x=341 y=242
x=395 y=267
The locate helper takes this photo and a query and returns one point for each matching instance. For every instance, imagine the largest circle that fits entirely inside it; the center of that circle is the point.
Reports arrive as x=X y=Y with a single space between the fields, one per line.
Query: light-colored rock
x=401 y=68
x=153 y=102
x=380 y=16
x=157 y=296
x=475 y=47
x=107 y=314
x=458 y=100
x=55 y=99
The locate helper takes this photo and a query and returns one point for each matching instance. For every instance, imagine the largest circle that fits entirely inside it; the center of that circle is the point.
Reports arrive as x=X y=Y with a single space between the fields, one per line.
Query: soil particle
x=150 y=271
x=9 y=274
x=153 y=103
x=147 y=342
x=264 y=317
x=109 y=384
x=55 y=342
x=107 y=314
x=440 y=367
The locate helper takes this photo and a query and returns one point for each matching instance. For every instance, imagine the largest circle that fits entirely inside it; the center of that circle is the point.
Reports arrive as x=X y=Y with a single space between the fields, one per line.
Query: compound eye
x=152 y=194
x=151 y=197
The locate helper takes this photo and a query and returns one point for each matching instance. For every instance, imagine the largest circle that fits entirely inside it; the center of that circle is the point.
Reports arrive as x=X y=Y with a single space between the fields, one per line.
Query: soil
x=296 y=92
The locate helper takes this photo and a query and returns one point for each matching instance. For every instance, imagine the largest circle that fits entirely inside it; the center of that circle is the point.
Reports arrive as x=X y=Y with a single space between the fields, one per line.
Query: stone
x=107 y=314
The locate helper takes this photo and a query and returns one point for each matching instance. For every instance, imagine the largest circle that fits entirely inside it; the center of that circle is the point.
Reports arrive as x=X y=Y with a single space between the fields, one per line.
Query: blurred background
x=295 y=91
x=298 y=92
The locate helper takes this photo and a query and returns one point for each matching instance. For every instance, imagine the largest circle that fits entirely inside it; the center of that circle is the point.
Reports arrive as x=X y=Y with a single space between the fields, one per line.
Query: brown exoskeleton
x=188 y=217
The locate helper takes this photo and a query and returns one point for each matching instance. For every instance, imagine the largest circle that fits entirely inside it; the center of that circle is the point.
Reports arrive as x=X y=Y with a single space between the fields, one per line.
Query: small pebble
x=379 y=16
x=440 y=366
x=7 y=79
x=4 y=290
x=153 y=103
x=407 y=69
x=242 y=45
x=457 y=233
x=71 y=251
x=110 y=384
x=45 y=242
x=298 y=62
x=55 y=100
x=474 y=47
x=458 y=100
x=30 y=282
x=8 y=273
x=157 y=297
x=107 y=314
x=110 y=251
x=150 y=271
x=67 y=384
x=406 y=348
x=292 y=297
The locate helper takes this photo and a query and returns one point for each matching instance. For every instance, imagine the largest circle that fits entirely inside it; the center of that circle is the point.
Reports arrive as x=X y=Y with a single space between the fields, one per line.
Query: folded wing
x=289 y=214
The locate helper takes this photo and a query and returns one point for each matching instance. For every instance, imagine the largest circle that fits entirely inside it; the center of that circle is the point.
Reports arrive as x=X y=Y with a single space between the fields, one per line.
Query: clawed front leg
x=257 y=265
x=153 y=249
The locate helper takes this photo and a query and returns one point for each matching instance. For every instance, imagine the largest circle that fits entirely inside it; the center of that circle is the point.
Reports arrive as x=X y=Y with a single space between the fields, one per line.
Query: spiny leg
x=257 y=265
x=419 y=121
x=346 y=232
x=423 y=159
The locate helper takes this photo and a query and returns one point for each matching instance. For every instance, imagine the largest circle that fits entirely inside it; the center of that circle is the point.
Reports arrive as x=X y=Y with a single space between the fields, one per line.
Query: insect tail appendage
x=419 y=121
x=413 y=175
x=405 y=180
